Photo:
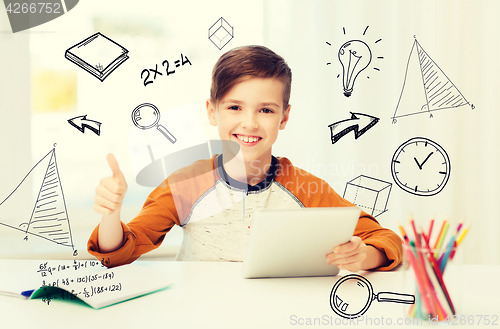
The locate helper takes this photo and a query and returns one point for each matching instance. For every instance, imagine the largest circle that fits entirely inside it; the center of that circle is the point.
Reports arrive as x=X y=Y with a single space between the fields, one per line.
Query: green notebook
x=103 y=288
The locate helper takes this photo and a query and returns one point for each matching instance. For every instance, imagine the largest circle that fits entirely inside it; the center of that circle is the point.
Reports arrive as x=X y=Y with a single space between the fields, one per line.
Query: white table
x=213 y=295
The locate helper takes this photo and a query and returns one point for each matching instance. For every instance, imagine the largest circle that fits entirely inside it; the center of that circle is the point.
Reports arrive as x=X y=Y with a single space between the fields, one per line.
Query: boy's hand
x=349 y=256
x=111 y=190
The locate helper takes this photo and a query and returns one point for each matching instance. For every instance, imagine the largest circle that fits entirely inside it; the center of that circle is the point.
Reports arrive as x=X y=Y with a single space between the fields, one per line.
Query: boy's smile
x=248 y=140
x=251 y=114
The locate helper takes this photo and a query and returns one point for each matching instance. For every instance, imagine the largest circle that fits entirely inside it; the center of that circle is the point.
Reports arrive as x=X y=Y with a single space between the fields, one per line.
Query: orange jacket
x=202 y=198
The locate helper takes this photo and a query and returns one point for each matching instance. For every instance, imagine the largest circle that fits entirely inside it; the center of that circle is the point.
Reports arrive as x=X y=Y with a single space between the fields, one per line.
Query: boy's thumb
x=113 y=164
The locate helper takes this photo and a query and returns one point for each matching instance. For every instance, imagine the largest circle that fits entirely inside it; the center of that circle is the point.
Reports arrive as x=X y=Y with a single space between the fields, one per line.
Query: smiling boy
x=213 y=200
x=251 y=114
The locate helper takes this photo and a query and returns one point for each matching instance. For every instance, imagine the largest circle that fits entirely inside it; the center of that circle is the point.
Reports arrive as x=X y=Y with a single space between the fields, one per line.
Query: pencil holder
x=435 y=278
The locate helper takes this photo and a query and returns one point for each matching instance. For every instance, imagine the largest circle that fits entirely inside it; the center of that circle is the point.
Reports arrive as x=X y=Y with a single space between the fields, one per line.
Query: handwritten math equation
x=83 y=279
x=44 y=269
x=97 y=281
x=87 y=292
x=149 y=75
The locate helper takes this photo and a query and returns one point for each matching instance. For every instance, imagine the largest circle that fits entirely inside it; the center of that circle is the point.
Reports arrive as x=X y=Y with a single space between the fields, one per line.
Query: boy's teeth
x=248 y=139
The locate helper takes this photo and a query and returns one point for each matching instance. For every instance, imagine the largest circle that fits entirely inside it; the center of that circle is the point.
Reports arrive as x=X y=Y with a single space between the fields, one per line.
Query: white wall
x=15 y=104
x=459 y=36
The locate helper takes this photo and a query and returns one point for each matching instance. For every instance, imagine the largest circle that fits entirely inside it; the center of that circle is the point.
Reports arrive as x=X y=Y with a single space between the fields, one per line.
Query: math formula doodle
x=87 y=291
x=71 y=286
x=90 y=282
x=45 y=268
x=149 y=75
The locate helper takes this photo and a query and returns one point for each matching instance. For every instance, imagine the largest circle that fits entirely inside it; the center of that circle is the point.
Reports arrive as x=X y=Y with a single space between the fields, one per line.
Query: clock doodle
x=421 y=167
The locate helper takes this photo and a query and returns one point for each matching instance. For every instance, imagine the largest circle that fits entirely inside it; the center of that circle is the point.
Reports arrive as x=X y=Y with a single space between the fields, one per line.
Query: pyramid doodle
x=48 y=219
x=426 y=88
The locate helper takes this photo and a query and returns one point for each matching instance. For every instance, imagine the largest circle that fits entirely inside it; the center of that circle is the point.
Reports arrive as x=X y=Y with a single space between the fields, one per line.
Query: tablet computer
x=294 y=243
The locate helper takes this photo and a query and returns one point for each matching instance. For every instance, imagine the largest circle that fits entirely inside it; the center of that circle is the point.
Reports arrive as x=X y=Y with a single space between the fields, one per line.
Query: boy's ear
x=211 y=112
x=286 y=116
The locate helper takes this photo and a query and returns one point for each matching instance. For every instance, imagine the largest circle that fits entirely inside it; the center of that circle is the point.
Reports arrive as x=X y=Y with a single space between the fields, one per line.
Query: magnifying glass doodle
x=353 y=294
x=147 y=116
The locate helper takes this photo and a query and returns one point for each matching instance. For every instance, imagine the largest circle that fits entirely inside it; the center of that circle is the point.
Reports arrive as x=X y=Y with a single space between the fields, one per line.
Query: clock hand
x=418 y=164
x=426 y=159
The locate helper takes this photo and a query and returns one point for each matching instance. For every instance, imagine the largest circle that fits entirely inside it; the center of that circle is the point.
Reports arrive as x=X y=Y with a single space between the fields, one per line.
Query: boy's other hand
x=349 y=256
x=111 y=190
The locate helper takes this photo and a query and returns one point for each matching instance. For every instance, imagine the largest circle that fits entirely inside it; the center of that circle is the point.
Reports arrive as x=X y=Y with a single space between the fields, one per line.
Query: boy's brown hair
x=246 y=62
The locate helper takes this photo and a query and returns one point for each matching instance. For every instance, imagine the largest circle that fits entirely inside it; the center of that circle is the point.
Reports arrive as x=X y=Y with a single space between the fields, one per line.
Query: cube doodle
x=369 y=194
x=220 y=33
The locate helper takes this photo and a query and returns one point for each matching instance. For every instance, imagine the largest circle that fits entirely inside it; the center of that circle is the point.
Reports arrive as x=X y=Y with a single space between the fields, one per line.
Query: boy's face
x=251 y=114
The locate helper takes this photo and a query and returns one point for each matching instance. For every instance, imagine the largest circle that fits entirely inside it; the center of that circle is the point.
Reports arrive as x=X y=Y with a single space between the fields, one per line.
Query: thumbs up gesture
x=111 y=190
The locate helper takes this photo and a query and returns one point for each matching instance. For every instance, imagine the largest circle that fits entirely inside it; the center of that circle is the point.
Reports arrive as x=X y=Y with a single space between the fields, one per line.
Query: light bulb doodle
x=355 y=56
x=353 y=294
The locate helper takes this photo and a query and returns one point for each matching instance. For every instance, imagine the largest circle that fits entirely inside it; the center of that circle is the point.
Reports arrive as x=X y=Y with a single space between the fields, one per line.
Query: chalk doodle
x=440 y=93
x=49 y=218
x=354 y=56
x=369 y=194
x=147 y=116
x=220 y=33
x=341 y=128
x=81 y=122
x=146 y=73
x=420 y=166
x=98 y=55
x=352 y=295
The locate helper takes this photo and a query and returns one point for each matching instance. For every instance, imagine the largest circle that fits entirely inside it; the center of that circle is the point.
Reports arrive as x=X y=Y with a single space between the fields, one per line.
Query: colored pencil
x=428 y=264
x=439 y=242
x=430 y=227
x=403 y=233
x=460 y=225
x=427 y=280
x=446 y=255
x=423 y=262
x=459 y=237
x=439 y=234
x=462 y=235
x=456 y=237
x=412 y=256
x=418 y=278
x=439 y=275
x=454 y=249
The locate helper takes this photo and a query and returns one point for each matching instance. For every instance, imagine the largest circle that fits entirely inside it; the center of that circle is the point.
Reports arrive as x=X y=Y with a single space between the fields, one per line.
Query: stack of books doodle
x=97 y=55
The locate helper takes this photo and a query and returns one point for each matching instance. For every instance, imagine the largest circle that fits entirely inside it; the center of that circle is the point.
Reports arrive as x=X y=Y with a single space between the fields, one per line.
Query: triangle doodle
x=49 y=217
x=439 y=91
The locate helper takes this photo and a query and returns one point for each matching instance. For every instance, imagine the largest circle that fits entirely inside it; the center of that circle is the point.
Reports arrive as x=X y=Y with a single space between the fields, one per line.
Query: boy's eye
x=234 y=107
x=266 y=110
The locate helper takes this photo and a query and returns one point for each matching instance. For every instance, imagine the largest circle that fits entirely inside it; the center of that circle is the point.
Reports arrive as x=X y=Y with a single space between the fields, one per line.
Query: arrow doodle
x=345 y=126
x=81 y=122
